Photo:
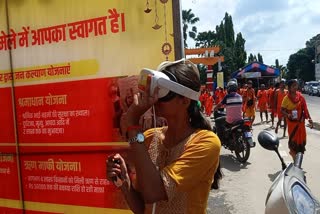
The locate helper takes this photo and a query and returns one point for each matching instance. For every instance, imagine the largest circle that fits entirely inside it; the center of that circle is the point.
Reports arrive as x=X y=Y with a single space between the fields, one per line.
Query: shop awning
x=256 y=70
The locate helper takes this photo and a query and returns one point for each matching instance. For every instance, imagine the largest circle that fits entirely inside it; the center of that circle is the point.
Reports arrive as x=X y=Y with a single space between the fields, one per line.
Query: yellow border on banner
x=58 y=208
x=121 y=144
x=10 y=203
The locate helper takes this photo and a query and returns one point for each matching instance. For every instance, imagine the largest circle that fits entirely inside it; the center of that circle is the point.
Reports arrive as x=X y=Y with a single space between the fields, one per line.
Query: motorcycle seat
x=238 y=122
x=220 y=119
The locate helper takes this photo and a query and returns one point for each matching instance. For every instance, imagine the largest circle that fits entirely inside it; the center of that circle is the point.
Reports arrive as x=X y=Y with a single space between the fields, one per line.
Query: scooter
x=289 y=192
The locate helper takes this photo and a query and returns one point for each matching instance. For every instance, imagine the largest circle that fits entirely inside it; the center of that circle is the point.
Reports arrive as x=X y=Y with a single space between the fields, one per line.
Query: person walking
x=295 y=110
x=271 y=100
x=249 y=99
x=263 y=102
x=279 y=95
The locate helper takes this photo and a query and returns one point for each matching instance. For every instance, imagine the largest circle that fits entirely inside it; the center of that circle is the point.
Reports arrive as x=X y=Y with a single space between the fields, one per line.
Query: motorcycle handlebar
x=298 y=160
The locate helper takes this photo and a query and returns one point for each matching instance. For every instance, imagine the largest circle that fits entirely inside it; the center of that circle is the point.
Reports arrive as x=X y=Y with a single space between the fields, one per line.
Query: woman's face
x=169 y=108
x=294 y=87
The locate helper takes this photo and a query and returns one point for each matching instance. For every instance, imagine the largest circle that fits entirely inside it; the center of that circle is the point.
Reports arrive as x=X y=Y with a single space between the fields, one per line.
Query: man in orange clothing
x=219 y=97
x=279 y=95
x=242 y=90
x=202 y=99
x=209 y=104
x=271 y=100
x=263 y=102
x=249 y=100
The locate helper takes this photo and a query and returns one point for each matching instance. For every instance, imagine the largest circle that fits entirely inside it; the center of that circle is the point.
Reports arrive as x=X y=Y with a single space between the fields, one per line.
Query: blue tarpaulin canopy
x=255 y=70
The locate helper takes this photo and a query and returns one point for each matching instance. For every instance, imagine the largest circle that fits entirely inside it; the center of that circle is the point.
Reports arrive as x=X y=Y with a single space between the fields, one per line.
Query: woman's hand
x=142 y=102
x=310 y=123
x=117 y=171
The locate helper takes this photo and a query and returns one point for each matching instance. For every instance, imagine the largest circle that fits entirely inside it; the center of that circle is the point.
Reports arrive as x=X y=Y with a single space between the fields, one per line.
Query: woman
x=294 y=108
x=175 y=165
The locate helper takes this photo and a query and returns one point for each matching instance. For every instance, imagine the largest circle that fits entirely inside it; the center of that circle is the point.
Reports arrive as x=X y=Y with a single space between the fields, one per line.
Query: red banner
x=66 y=114
x=9 y=182
x=74 y=179
x=6 y=122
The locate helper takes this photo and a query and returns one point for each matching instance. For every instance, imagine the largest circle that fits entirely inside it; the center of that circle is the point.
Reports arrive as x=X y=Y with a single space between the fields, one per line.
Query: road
x=244 y=187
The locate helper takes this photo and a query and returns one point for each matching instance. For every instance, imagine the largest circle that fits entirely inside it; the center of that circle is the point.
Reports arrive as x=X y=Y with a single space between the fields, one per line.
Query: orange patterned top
x=187 y=170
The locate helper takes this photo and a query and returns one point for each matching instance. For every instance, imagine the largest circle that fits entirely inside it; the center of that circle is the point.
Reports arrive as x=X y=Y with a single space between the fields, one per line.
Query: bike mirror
x=268 y=140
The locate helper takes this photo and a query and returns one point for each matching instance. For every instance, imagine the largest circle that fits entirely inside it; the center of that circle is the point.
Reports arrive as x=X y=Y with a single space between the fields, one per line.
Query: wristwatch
x=139 y=138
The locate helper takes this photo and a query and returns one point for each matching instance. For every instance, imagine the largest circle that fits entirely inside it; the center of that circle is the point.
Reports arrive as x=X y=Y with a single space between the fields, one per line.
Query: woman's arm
x=306 y=112
x=116 y=168
x=285 y=113
x=152 y=188
x=133 y=198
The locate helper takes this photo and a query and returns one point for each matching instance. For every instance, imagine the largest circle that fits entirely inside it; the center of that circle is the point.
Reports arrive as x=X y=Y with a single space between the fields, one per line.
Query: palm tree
x=188 y=18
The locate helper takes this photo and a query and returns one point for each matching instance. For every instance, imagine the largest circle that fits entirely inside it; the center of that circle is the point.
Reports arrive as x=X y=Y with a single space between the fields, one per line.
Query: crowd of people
x=177 y=164
x=267 y=100
x=282 y=101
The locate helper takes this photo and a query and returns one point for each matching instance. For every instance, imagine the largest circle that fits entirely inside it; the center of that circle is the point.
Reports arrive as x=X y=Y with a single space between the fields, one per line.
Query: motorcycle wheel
x=242 y=149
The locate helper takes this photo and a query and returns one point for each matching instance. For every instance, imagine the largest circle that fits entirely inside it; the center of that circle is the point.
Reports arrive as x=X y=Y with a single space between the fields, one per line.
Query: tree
x=255 y=58
x=203 y=73
x=188 y=18
x=239 y=51
x=233 y=50
x=277 y=63
x=250 y=58
x=221 y=34
x=206 y=39
x=260 y=59
x=229 y=31
x=300 y=64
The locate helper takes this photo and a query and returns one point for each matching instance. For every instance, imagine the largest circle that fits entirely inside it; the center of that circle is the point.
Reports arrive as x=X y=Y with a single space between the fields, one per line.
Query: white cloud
x=275 y=28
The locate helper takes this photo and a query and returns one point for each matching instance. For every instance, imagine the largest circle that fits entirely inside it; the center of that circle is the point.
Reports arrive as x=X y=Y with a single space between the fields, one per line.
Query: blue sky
x=275 y=28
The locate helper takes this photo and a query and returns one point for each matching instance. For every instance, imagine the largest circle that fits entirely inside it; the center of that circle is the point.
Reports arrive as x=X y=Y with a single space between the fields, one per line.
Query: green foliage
x=229 y=32
x=188 y=18
x=203 y=73
x=232 y=49
x=240 y=55
x=301 y=64
x=277 y=63
x=260 y=59
x=251 y=58
x=206 y=39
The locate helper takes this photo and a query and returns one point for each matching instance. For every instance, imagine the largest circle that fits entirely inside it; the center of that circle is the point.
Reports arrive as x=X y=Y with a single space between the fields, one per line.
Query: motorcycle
x=236 y=137
x=289 y=192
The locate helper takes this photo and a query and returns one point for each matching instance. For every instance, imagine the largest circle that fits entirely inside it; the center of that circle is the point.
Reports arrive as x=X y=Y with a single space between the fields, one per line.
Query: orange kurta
x=296 y=128
x=263 y=100
x=280 y=95
x=209 y=105
x=186 y=169
x=271 y=92
x=220 y=96
x=249 y=94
